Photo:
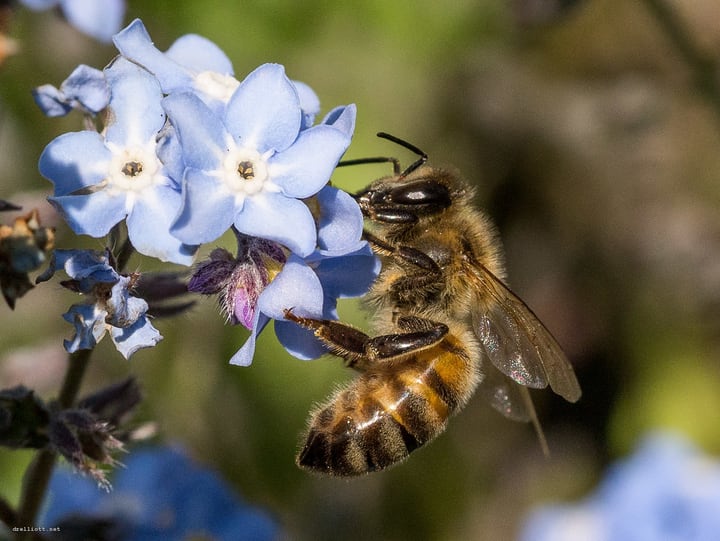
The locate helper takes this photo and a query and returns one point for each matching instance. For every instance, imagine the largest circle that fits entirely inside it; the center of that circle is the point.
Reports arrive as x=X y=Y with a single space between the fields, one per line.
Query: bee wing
x=503 y=394
x=512 y=400
x=515 y=340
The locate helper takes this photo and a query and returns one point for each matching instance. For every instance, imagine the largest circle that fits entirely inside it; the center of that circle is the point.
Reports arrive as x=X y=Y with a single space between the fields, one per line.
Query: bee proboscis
x=446 y=325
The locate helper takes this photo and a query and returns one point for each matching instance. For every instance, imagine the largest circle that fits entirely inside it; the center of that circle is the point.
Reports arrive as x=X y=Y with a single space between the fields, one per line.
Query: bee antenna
x=417 y=163
x=377 y=159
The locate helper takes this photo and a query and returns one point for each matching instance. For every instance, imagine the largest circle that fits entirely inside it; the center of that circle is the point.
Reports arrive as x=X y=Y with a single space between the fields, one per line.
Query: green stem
x=38 y=473
x=703 y=66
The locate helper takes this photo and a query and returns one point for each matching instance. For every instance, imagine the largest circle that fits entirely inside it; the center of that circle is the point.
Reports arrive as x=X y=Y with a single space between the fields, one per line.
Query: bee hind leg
x=360 y=350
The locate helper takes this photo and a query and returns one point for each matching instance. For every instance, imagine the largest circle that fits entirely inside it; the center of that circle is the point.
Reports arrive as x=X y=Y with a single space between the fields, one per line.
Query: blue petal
x=309 y=103
x=92 y=214
x=342 y=118
x=341 y=222
x=299 y=342
x=149 y=226
x=199 y=54
x=207 y=211
x=87 y=266
x=275 y=217
x=89 y=323
x=169 y=151
x=69 y=493
x=264 y=112
x=348 y=276
x=97 y=18
x=245 y=354
x=124 y=309
x=134 y=43
x=201 y=132
x=135 y=104
x=139 y=335
x=73 y=161
x=51 y=101
x=88 y=86
x=304 y=168
x=296 y=287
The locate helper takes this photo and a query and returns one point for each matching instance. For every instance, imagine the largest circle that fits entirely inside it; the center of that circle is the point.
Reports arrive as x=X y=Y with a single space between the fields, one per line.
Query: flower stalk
x=38 y=474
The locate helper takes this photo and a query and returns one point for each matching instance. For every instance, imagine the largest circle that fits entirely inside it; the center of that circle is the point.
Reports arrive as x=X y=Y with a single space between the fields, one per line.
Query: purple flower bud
x=239 y=281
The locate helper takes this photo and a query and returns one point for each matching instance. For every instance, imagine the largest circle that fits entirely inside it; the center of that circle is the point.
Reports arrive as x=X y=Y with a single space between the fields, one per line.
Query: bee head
x=409 y=196
x=405 y=199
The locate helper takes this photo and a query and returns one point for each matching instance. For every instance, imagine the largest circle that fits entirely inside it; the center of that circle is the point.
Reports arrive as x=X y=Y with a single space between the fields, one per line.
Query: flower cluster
x=186 y=152
x=667 y=490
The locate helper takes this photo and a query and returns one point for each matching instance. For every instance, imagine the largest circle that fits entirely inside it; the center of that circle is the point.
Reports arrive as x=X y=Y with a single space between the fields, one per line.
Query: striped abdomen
x=386 y=413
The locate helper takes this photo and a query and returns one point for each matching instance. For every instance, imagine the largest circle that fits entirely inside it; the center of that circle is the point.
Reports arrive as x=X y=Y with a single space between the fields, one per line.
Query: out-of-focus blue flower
x=666 y=491
x=252 y=167
x=101 y=179
x=85 y=90
x=113 y=309
x=99 y=19
x=159 y=494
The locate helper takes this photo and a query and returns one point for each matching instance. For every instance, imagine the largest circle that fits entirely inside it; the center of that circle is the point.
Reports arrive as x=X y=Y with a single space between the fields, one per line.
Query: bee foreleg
x=405 y=254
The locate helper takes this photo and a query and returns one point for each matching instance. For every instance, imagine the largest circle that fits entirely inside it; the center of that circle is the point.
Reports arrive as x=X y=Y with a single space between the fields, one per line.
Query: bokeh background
x=593 y=137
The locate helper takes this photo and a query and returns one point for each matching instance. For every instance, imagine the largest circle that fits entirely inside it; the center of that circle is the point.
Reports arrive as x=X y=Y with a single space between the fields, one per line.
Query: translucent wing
x=503 y=394
x=511 y=399
x=515 y=341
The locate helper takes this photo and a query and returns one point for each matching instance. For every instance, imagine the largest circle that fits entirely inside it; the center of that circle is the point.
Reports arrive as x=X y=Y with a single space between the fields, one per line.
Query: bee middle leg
x=423 y=275
x=360 y=350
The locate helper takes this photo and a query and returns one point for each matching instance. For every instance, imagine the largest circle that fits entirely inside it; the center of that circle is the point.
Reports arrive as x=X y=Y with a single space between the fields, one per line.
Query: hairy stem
x=703 y=66
x=38 y=473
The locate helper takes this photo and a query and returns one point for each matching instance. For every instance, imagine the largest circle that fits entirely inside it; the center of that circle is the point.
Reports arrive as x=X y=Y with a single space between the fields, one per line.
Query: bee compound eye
x=428 y=193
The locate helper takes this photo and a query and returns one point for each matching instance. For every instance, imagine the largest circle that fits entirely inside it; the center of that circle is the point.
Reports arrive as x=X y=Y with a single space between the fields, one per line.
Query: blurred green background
x=593 y=149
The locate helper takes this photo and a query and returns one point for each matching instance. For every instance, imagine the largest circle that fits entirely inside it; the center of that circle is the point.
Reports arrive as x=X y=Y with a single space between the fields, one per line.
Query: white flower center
x=133 y=169
x=245 y=172
x=216 y=85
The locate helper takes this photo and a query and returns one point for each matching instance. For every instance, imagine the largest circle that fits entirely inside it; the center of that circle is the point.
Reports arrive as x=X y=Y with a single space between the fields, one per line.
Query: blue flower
x=250 y=167
x=667 y=490
x=101 y=179
x=151 y=500
x=346 y=276
x=261 y=282
x=85 y=90
x=197 y=65
x=99 y=19
x=113 y=309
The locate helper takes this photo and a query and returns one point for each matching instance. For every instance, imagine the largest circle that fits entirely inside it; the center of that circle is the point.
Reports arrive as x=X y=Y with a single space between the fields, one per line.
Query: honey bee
x=446 y=324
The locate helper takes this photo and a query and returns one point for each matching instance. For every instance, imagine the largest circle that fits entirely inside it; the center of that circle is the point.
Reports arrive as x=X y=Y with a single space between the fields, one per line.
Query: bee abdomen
x=359 y=432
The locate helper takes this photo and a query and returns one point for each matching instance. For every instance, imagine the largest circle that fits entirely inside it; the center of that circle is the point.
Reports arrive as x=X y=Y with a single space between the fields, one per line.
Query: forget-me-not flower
x=112 y=307
x=102 y=178
x=195 y=64
x=251 y=167
x=666 y=490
